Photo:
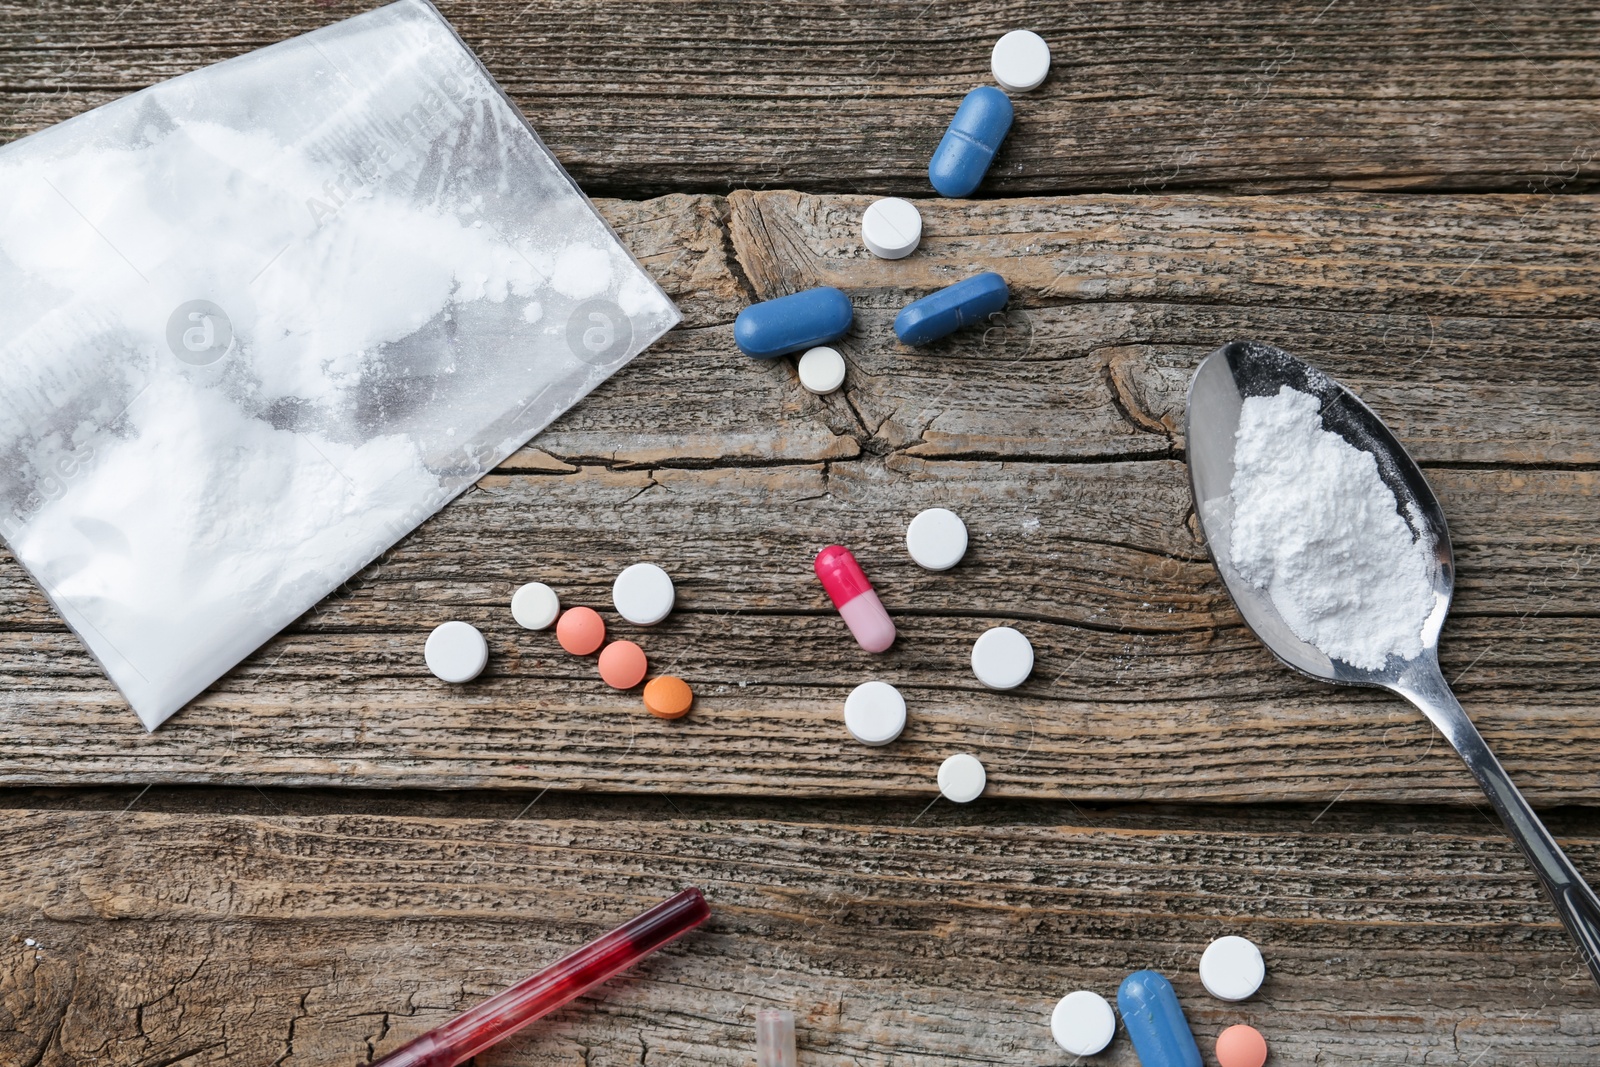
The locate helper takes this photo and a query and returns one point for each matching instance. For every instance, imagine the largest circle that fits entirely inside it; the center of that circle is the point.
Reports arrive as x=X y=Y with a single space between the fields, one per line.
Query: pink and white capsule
x=853 y=595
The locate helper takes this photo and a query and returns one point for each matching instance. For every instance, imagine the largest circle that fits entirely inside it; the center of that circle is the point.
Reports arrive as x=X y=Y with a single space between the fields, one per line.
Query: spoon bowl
x=1217 y=393
x=1216 y=397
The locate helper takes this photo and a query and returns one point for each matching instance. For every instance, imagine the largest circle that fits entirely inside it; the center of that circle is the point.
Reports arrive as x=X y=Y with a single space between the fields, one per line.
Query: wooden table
x=329 y=852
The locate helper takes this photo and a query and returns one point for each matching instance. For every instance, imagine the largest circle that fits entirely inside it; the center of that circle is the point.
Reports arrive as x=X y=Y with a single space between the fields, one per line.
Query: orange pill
x=580 y=630
x=622 y=665
x=668 y=697
x=1241 y=1046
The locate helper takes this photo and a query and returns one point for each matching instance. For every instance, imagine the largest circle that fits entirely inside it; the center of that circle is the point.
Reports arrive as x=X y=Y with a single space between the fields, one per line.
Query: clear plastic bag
x=264 y=319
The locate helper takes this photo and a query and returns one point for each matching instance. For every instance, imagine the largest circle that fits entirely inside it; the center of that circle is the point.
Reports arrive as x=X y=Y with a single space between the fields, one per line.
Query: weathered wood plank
x=1496 y=256
x=1469 y=322
x=356 y=710
x=1146 y=686
x=895 y=934
x=648 y=97
x=1092 y=381
x=1094 y=546
x=683 y=242
x=1483 y=362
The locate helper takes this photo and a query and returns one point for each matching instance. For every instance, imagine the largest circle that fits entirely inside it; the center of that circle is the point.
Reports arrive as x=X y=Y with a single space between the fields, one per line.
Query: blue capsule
x=793 y=323
x=1154 y=1018
x=971 y=300
x=969 y=145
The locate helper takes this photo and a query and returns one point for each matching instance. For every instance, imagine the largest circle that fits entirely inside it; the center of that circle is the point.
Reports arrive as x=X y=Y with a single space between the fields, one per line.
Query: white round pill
x=456 y=652
x=937 y=539
x=821 y=370
x=1002 y=658
x=961 y=778
x=643 y=594
x=875 y=713
x=891 y=228
x=535 y=606
x=1231 y=968
x=1083 y=1023
x=1020 y=61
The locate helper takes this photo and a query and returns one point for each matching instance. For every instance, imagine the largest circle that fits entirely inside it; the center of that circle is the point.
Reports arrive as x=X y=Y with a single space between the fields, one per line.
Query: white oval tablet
x=535 y=606
x=456 y=652
x=937 y=539
x=891 y=228
x=1020 y=61
x=961 y=778
x=875 y=713
x=1002 y=658
x=1083 y=1023
x=643 y=594
x=1231 y=968
x=821 y=370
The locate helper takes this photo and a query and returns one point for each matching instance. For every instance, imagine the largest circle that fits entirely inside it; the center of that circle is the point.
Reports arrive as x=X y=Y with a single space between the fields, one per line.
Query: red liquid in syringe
x=568 y=978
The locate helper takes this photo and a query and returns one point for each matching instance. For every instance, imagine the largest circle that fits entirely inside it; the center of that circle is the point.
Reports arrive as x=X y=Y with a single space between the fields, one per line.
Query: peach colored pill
x=622 y=665
x=668 y=697
x=580 y=630
x=1241 y=1046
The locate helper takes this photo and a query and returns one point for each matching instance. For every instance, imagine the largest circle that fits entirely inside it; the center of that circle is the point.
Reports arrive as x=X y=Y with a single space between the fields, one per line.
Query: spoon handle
x=1575 y=902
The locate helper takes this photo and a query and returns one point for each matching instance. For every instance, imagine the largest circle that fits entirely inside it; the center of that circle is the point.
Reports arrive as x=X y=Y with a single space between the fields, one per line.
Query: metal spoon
x=1216 y=395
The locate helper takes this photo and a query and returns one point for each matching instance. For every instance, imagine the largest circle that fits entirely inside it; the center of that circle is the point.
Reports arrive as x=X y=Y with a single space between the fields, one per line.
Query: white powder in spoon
x=1315 y=526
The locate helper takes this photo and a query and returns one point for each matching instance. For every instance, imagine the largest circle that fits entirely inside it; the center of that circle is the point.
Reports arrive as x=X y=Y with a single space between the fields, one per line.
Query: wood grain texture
x=314 y=924
x=728 y=473
x=1470 y=323
x=650 y=97
x=683 y=242
x=1146 y=686
x=896 y=935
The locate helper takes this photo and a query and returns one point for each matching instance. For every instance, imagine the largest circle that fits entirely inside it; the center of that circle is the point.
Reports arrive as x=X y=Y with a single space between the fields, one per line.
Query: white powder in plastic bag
x=265 y=318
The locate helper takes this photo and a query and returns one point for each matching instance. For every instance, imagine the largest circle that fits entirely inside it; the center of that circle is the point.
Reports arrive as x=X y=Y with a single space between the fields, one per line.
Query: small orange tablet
x=622 y=665
x=1241 y=1046
x=668 y=697
x=580 y=630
